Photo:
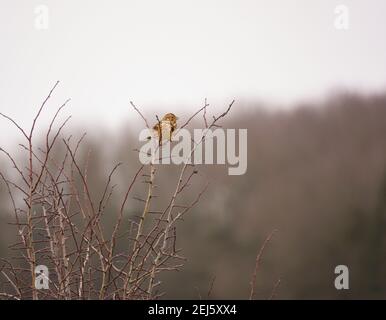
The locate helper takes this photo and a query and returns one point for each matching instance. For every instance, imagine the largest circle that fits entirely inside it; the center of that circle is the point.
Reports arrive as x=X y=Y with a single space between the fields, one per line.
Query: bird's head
x=170 y=117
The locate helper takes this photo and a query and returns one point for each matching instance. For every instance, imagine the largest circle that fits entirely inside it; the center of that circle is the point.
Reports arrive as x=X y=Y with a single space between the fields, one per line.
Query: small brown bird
x=165 y=128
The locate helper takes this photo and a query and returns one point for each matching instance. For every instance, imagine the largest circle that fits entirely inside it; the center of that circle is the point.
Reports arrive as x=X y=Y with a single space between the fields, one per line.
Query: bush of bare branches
x=59 y=223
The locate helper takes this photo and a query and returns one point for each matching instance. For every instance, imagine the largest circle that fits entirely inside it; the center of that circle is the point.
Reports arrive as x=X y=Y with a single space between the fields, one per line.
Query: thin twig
x=257 y=264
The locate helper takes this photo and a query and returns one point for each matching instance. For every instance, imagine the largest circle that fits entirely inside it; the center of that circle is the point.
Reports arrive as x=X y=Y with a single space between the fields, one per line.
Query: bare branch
x=258 y=258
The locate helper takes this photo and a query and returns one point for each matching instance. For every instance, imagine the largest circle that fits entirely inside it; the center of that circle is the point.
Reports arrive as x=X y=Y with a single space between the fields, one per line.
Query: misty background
x=311 y=96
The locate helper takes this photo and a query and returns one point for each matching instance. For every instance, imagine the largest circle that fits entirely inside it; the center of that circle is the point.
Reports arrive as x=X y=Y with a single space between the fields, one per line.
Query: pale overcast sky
x=176 y=52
